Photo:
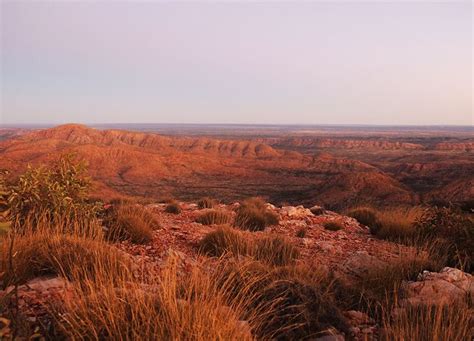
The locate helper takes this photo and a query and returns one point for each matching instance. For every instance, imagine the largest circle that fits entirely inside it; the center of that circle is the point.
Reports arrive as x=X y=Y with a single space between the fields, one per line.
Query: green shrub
x=333 y=226
x=47 y=193
x=366 y=216
x=214 y=217
x=454 y=231
x=173 y=207
x=206 y=203
x=253 y=215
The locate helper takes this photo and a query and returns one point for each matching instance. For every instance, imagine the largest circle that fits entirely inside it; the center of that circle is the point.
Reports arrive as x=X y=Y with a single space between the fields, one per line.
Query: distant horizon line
x=241 y=124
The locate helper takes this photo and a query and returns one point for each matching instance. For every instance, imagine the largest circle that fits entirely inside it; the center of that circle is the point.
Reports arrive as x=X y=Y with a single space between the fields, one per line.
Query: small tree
x=51 y=193
x=4 y=193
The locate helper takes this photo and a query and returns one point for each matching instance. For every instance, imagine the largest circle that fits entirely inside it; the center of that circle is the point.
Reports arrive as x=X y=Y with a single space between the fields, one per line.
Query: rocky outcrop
x=442 y=287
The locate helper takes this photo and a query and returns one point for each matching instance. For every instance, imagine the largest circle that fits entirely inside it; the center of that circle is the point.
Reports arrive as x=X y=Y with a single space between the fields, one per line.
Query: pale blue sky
x=237 y=62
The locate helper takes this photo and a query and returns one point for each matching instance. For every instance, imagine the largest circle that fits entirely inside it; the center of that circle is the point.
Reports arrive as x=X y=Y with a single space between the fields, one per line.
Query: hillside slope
x=137 y=163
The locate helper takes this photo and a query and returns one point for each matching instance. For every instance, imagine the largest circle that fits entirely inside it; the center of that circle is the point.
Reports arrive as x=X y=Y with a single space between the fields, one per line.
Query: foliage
x=223 y=240
x=366 y=216
x=454 y=230
x=4 y=194
x=59 y=190
x=301 y=233
x=253 y=215
x=206 y=202
x=276 y=250
x=214 y=217
x=130 y=222
x=173 y=208
x=273 y=250
x=333 y=226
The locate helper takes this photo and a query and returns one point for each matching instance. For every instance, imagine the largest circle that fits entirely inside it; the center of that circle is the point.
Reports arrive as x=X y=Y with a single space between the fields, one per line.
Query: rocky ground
x=347 y=252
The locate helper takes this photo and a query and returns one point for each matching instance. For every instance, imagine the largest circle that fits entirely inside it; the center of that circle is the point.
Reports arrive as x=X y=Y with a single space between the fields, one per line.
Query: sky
x=380 y=63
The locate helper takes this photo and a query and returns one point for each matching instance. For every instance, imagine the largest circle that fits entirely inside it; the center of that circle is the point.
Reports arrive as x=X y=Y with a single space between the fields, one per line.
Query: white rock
x=298 y=211
x=441 y=287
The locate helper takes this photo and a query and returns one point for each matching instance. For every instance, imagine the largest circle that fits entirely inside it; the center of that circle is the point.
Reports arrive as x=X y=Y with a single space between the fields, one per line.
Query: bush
x=398 y=224
x=130 y=222
x=293 y=302
x=45 y=193
x=42 y=254
x=214 y=217
x=173 y=208
x=455 y=232
x=333 y=226
x=301 y=233
x=206 y=203
x=254 y=216
x=276 y=250
x=366 y=216
x=223 y=240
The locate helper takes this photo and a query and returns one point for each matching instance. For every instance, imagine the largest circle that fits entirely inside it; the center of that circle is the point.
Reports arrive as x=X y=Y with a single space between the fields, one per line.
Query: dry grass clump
x=366 y=216
x=214 y=217
x=41 y=254
x=176 y=306
x=333 y=226
x=173 y=208
x=276 y=250
x=433 y=322
x=301 y=233
x=223 y=240
x=453 y=230
x=380 y=284
x=207 y=202
x=273 y=250
x=253 y=215
x=130 y=222
x=293 y=302
x=398 y=224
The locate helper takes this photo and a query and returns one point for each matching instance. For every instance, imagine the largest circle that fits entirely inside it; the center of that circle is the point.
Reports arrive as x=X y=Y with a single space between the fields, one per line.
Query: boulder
x=296 y=212
x=442 y=287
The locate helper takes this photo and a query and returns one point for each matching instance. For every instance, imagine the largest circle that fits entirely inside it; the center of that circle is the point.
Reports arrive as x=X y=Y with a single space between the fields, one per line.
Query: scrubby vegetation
x=173 y=207
x=453 y=230
x=214 y=217
x=207 y=203
x=366 y=216
x=333 y=226
x=272 y=250
x=242 y=286
x=129 y=222
x=253 y=215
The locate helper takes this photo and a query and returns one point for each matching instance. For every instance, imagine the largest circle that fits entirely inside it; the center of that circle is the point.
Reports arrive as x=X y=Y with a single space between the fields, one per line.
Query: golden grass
x=272 y=250
x=253 y=215
x=426 y=323
x=130 y=222
x=333 y=226
x=173 y=306
x=398 y=224
x=39 y=254
x=207 y=203
x=214 y=217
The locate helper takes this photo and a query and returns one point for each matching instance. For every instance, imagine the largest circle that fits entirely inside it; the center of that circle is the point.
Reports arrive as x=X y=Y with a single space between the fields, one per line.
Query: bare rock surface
x=442 y=287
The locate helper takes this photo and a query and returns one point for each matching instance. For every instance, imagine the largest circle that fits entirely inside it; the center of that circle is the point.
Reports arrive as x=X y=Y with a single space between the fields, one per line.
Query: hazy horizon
x=300 y=63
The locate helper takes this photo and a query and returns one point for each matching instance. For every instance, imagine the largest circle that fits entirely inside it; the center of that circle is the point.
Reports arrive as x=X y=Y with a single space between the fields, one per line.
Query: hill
x=148 y=164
